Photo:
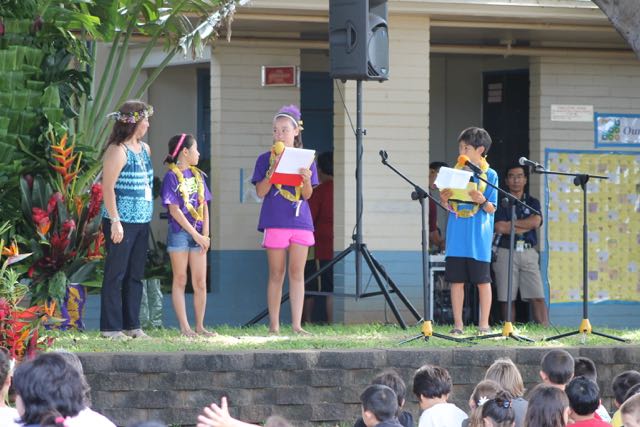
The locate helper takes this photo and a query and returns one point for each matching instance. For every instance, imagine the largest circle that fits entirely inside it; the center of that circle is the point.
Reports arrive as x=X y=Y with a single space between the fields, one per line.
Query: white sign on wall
x=571 y=113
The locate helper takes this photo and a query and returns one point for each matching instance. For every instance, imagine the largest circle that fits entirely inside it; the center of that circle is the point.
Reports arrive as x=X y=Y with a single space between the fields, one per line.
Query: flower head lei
x=197 y=214
x=133 y=117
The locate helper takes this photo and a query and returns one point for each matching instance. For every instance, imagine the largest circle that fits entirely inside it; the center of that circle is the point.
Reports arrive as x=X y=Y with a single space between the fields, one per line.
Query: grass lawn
x=324 y=337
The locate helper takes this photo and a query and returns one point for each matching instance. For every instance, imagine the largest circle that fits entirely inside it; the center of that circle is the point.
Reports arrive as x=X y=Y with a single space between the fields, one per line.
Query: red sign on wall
x=279 y=76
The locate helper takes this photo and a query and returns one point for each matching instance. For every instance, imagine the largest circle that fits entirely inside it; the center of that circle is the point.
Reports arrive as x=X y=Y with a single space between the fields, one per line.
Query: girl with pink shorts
x=285 y=220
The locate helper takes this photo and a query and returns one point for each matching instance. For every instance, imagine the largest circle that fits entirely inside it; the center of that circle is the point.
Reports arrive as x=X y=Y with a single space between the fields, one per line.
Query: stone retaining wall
x=307 y=387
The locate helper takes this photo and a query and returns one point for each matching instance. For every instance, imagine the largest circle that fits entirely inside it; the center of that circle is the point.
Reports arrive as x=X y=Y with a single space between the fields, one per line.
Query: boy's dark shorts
x=466 y=270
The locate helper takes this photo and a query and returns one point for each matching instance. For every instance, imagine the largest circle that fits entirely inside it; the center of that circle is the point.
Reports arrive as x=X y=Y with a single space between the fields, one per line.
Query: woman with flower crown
x=285 y=220
x=186 y=196
x=127 y=180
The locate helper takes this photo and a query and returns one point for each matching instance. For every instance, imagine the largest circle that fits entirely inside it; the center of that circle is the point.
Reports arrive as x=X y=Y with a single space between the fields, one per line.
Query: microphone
x=526 y=162
x=464 y=161
x=278 y=148
x=383 y=155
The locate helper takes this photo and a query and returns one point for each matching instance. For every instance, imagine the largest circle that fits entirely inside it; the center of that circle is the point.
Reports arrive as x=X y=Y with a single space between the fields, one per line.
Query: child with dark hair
x=432 y=386
x=48 y=387
x=392 y=380
x=186 y=196
x=482 y=392
x=470 y=229
x=584 y=399
x=548 y=407
x=630 y=411
x=8 y=415
x=556 y=368
x=621 y=385
x=435 y=233
x=379 y=406
x=498 y=412
x=87 y=416
x=584 y=367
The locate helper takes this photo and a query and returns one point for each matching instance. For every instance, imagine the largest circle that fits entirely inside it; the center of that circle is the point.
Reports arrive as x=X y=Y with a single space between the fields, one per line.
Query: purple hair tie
x=175 y=152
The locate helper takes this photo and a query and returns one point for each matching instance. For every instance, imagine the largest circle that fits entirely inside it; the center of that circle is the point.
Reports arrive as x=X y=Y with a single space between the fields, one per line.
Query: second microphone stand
x=507 y=327
x=427 y=321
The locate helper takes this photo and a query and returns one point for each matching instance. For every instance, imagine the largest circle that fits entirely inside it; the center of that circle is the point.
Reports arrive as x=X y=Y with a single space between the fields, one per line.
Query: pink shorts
x=281 y=238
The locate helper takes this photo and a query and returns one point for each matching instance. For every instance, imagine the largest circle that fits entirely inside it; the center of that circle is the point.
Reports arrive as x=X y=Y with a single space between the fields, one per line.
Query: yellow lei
x=198 y=214
x=469 y=212
x=284 y=193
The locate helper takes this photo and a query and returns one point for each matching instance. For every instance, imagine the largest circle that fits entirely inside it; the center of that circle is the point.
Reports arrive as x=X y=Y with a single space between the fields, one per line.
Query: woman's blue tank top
x=130 y=188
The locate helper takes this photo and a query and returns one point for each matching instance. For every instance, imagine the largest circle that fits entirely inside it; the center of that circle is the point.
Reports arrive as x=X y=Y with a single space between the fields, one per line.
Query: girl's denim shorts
x=181 y=242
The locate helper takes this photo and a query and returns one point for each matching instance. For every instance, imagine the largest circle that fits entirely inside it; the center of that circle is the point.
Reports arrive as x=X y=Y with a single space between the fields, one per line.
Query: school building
x=532 y=72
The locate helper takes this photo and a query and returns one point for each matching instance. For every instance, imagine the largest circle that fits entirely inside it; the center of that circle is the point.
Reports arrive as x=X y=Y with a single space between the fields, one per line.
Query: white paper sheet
x=293 y=159
x=453 y=178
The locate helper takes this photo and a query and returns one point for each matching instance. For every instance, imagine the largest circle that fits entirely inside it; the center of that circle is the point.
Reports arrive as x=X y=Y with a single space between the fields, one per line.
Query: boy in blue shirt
x=470 y=230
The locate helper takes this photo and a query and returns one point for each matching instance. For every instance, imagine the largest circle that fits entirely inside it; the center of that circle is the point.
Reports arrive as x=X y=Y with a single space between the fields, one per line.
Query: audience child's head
x=498 y=411
x=276 y=421
x=483 y=392
x=379 y=404
x=632 y=392
x=73 y=360
x=47 y=386
x=584 y=367
x=584 y=398
x=392 y=380
x=548 y=407
x=556 y=368
x=622 y=383
x=630 y=411
x=431 y=385
x=506 y=373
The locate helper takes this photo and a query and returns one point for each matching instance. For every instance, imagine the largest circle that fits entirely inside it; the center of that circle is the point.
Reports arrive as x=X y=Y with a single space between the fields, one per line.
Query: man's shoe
x=113 y=335
x=136 y=333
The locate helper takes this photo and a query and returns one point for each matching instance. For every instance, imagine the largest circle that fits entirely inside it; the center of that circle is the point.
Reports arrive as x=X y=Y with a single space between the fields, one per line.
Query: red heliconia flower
x=42 y=220
x=59 y=243
x=67 y=227
x=54 y=200
x=5 y=308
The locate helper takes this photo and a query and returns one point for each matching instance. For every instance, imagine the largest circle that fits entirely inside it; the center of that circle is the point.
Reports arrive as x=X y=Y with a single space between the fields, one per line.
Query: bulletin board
x=613 y=216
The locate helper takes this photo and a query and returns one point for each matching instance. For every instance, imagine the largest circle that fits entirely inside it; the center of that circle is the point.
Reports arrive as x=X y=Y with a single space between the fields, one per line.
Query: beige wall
x=396 y=117
x=611 y=86
x=241 y=126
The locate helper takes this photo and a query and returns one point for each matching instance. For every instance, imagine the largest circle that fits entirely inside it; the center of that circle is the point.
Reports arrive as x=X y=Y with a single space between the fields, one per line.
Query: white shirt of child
x=442 y=415
x=8 y=417
x=88 y=417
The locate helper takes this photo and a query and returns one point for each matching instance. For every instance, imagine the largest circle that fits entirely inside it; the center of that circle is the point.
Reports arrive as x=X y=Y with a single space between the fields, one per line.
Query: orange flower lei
x=198 y=215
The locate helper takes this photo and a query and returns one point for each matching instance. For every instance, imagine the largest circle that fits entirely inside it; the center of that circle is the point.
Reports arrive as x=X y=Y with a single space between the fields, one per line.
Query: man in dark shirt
x=526 y=269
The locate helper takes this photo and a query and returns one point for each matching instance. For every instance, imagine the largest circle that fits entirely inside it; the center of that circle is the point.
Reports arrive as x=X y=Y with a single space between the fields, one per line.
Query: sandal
x=302 y=333
x=456 y=331
x=482 y=331
x=188 y=334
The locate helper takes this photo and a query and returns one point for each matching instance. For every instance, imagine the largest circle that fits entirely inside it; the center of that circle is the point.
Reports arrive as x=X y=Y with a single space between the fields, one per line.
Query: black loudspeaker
x=359 y=39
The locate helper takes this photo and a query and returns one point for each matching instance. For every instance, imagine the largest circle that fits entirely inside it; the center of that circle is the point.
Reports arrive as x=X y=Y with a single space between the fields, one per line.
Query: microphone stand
x=511 y=200
x=585 y=326
x=420 y=195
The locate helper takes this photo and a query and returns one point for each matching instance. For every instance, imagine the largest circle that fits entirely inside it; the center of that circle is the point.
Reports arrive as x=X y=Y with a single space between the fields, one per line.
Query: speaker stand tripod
x=427 y=319
x=585 y=326
x=386 y=285
x=507 y=327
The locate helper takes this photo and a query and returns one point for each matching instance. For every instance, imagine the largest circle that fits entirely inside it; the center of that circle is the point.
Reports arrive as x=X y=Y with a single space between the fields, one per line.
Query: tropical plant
x=63 y=209
x=21 y=329
x=177 y=25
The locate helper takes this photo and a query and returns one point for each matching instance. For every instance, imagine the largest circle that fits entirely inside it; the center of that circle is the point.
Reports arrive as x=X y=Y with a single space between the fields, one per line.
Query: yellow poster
x=613 y=218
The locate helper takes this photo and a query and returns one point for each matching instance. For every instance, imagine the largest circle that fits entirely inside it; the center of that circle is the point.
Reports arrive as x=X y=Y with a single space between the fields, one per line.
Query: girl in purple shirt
x=186 y=196
x=286 y=221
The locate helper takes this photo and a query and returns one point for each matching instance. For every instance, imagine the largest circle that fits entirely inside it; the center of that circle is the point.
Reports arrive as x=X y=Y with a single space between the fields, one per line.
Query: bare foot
x=206 y=333
x=274 y=332
x=188 y=333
